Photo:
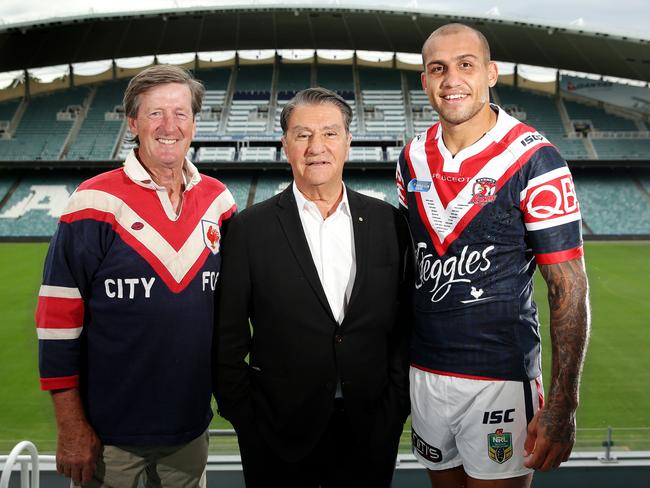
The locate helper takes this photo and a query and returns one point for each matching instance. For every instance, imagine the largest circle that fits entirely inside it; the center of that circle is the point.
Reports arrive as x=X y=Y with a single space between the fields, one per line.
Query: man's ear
x=493 y=73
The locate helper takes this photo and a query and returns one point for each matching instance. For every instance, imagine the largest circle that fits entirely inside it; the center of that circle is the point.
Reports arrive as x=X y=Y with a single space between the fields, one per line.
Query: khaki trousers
x=153 y=467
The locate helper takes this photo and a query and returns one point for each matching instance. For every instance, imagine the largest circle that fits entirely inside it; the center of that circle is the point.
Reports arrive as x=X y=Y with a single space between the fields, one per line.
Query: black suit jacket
x=296 y=349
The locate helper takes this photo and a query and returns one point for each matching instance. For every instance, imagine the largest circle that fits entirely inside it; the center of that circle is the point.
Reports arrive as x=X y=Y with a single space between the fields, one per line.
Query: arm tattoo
x=570 y=323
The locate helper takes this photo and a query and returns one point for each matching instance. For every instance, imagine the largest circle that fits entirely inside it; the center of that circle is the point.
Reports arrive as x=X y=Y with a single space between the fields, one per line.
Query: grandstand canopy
x=93 y=37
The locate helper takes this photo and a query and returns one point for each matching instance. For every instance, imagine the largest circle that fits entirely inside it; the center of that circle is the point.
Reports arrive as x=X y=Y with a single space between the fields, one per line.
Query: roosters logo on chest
x=211 y=235
x=484 y=191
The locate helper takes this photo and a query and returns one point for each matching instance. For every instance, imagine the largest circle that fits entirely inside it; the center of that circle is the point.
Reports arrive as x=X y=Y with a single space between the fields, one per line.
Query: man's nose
x=316 y=144
x=168 y=122
x=452 y=77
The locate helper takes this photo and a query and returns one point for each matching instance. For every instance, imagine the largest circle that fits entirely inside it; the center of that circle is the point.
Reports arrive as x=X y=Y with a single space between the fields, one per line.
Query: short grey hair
x=316 y=96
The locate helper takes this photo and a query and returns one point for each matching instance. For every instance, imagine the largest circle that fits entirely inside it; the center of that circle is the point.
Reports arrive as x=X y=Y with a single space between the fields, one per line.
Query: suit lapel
x=292 y=227
x=360 y=228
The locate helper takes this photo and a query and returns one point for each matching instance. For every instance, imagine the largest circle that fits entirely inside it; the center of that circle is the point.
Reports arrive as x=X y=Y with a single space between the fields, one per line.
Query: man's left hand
x=551 y=435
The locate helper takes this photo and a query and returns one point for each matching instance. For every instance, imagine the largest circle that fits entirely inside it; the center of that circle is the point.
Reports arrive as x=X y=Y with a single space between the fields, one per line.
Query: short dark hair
x=159 y=75
x=316 y=96
x=453 y=28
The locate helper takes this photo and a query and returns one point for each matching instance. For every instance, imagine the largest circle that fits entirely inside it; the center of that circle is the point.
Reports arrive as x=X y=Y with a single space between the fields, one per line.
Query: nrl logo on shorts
x=211 y=235
x=484 y=191
x=500 y=446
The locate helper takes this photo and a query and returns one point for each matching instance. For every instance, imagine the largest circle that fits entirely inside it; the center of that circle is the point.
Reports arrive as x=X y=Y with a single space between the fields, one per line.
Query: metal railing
x=25 y=463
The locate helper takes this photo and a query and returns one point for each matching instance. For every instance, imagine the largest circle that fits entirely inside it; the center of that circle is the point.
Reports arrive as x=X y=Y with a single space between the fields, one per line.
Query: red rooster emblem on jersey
x=211 y=235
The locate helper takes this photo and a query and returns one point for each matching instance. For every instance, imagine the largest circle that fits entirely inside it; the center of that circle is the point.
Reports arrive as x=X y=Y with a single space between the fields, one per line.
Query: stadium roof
x=121 y=35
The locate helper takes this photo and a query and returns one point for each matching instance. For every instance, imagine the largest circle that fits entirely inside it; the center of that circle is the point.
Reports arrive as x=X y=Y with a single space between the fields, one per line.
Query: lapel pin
x=360 y=219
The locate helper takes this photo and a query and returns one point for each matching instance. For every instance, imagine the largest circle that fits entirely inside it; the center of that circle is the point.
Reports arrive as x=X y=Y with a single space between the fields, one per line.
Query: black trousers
x=339 y=460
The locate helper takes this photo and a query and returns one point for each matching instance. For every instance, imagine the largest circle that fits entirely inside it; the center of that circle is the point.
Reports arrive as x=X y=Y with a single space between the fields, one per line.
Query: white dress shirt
x=331 y=242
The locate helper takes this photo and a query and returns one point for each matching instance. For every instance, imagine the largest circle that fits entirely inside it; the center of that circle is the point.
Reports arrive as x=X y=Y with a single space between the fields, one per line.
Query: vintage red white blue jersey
x=125 y=312
x=481 y=220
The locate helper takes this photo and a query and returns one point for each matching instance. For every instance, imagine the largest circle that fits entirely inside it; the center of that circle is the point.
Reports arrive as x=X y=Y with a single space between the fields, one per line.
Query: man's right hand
x=77 y=445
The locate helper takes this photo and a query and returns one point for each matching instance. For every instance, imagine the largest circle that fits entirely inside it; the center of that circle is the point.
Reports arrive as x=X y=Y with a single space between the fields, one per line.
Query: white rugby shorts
x=475 y=423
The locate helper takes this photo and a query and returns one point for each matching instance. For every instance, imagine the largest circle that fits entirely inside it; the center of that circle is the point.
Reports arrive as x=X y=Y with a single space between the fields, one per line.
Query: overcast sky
x=623 y=17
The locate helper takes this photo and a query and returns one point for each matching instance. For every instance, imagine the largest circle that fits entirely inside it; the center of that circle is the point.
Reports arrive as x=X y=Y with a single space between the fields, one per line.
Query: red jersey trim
x=560 y=256
x=457 y=375
x=59 y=313
x=60 y=383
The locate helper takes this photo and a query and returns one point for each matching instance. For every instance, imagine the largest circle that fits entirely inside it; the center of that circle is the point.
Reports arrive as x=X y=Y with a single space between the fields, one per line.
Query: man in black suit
x=323 y=275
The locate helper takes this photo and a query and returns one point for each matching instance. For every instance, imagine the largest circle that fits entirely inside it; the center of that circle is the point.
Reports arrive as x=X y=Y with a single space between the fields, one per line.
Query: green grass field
x=613 y=392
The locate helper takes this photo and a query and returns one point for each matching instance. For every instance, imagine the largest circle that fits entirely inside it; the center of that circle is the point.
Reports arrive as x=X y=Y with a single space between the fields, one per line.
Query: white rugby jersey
x=481 y=220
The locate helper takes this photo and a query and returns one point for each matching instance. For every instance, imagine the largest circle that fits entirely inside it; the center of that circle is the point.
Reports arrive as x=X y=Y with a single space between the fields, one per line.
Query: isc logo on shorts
x=428 y=452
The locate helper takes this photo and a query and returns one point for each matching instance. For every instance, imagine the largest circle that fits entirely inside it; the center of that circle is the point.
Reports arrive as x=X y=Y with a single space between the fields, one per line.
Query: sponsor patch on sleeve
x=550 y=200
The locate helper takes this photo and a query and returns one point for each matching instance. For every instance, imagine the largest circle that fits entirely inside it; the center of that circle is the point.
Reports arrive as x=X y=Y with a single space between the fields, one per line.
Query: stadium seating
x=36 y=204
x=422 y=115
x=381 y=187
x=214 y=154
x=392 y=153
x=271 y=184
x=599 y=119
x=541 y=112
x=239 y=186
x=249 y=110
x=611 y=204
x=214 y=78
x=643 y=176
x=291 y=79
x=366 y=153
x=622 y=148
x=383 y=101
x=6 y=182
x=7 y=112
x=44 y=126
x=98 y=135
x=257 y=154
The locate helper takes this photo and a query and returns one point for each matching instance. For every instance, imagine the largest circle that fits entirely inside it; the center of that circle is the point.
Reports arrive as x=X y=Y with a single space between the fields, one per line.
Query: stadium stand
x=541 y=112
x=381 y=186
x=598 y=118
x=102 y=126
x=208 y=122
x=383 y=101
x=257 y=154
x=270 y=185
x=643 y=176
x=7 y=113
x=215 y=154
x=6 y=182
x=249 y=110
x=366 y=153
x=44 y=126
x=622 y=148
x=291 y=79
x=341 y=80
x=239 y=185
x=392 y=153
x=611 y=204
x=36 y=204
x=422 y=114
